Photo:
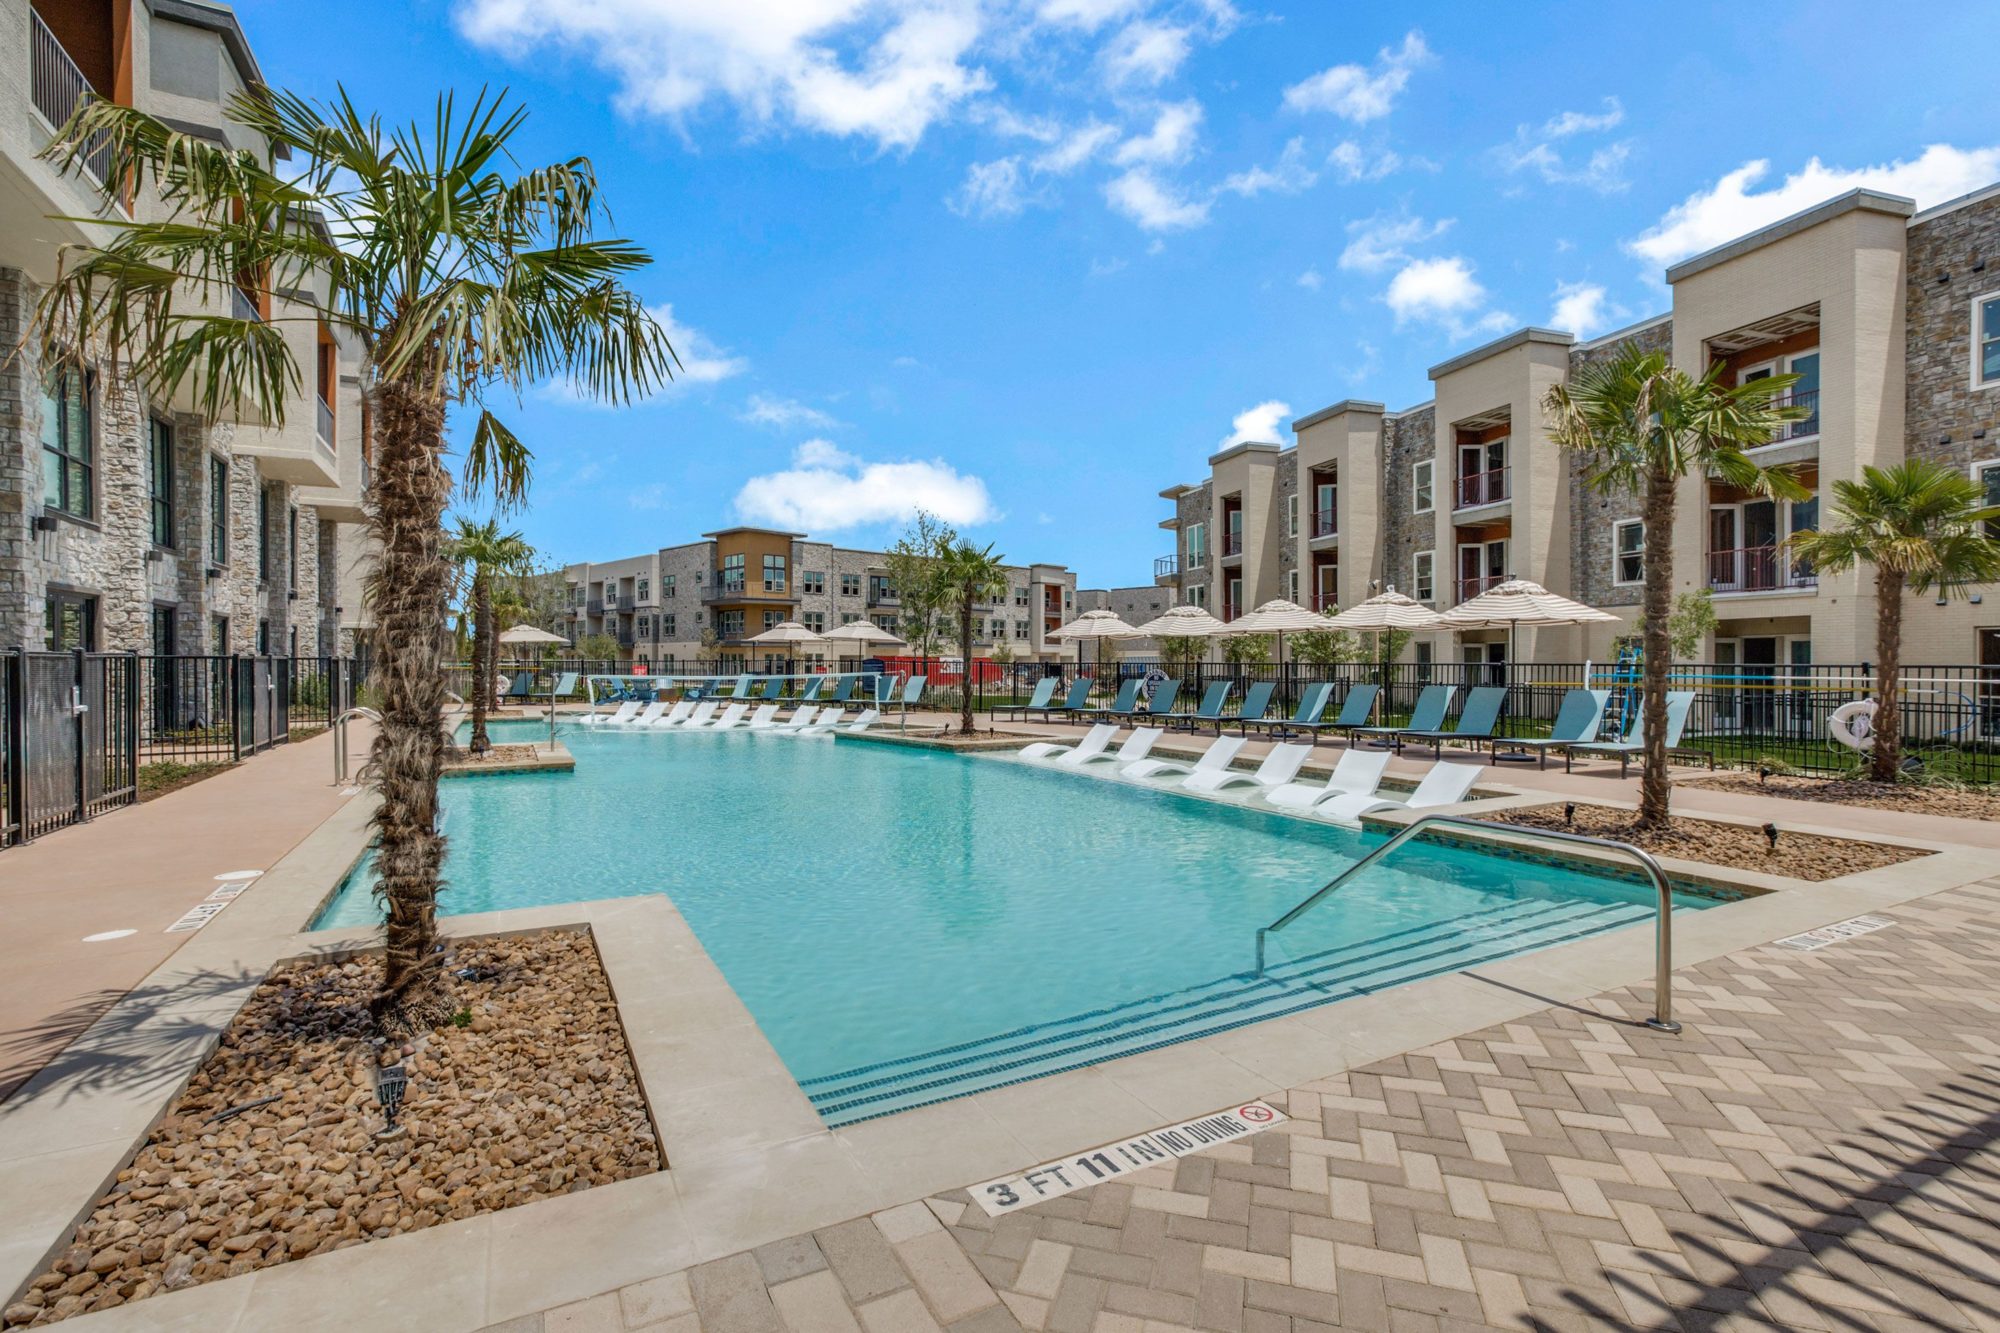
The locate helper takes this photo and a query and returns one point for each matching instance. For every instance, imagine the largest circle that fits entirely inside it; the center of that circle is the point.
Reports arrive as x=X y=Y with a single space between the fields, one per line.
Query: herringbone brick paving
x=1815 y=1151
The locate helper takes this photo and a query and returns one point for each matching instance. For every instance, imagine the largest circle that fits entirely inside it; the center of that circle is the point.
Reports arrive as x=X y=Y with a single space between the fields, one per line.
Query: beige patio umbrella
x=1100 y=625
x=788 y=634
x=1183 y=622
x=1384 y=613
x=1277 y=617
x=1519 y=602
x=863 y=633
x=536 y=635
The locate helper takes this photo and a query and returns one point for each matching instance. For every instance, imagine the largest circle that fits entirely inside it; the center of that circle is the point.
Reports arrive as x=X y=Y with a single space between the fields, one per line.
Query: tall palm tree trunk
x=408 y=592
x=485 y=656
x=1886 y=760
x=965 y=681
x=1654 y=790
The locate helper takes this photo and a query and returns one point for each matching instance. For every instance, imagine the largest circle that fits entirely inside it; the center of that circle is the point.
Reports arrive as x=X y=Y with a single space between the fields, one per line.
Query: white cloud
x=1534 y=149
x=701 y=361
x=1288 y=175
x=1442 y=291
x=1074 y=149
x=828 y=489
x=1104 y=268
x=1582 y=308
x=1154 y=205
x=1355 y=164
x=1262 y=424
x=1146 y=53
x=884 y=70
x=1730 y=208
x=1310 y=279
x=1583 y=122
x=1170 y=140
x=1385 y=239
x=1361 y=93
x=1087 y=14
x=784 y=413
x=989 y=190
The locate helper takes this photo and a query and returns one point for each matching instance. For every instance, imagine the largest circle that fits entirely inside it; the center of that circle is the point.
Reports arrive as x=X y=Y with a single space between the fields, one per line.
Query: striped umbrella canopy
x=787 y=631
x=1100 y=625
x=1386 y=611
x=1520 y=602
x=1277 y=617
x=1183 y=622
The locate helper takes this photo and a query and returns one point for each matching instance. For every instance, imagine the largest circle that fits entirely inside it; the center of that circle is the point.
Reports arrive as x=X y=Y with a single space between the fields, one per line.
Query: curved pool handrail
x=340 y=740
x=1663 y=930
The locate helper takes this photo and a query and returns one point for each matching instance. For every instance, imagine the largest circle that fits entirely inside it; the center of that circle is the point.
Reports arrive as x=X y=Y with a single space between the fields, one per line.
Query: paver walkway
x=139 y=869
x=1815 y=1151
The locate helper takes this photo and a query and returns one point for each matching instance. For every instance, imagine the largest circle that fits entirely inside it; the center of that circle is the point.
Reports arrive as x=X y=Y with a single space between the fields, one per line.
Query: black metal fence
x=1747 y=715
x=220 y=709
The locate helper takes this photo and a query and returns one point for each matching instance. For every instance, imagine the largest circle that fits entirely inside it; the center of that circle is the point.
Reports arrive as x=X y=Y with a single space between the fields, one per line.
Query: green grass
x=165 y=775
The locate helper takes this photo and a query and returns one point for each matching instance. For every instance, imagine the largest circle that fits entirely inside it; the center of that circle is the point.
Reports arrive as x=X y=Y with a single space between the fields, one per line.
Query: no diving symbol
x=1256 y=1114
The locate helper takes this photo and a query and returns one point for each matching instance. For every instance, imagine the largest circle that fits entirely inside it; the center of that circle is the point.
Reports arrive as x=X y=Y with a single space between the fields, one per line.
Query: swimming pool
x=908 y=926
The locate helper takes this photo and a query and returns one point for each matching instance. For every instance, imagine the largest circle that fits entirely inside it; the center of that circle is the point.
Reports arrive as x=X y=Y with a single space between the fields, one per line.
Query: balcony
x=326 y=436
x=243 y=306
x=1326 y=522
x=1471 y=588
x=1323 y=602
x=1482 y=488
x=882 y=596
x=1806 y=427
x=1758 y=569
x=742 y=590
x=1232 y=544
x=57 y=86
x=1167 y=567
x=594 y=606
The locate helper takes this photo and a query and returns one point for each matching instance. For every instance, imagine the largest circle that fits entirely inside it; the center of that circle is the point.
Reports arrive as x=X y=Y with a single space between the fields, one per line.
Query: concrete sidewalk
x=139 y=869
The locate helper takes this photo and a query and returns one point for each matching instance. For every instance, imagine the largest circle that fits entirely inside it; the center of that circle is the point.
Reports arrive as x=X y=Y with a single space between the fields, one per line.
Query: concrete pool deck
x=753 y=1171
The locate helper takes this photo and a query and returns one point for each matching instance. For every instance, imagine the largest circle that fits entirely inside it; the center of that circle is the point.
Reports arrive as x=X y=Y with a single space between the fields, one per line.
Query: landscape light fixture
x=391 y=1082
x=1771 y=835
x=1569 y=812
x=1763 y=774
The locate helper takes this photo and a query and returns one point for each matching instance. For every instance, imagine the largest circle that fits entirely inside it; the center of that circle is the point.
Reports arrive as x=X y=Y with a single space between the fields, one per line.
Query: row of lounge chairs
x=1579 y=718
x=692 y=715
x=1348 y=794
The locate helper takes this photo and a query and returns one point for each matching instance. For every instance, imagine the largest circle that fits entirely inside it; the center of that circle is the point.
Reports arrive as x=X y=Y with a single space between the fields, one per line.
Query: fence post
x=76 y=716
x=134 y=695
x=17 y=743
x=235 y=662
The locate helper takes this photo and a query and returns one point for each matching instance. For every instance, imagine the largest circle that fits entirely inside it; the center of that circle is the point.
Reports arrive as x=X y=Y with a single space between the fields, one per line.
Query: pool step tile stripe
x=1227 y=1002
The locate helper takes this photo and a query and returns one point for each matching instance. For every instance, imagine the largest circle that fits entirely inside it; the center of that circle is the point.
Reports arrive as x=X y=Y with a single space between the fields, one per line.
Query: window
x=69 y=622
x=1628 y=551
x=774 y=573
x=729 y=624
x=66 y=442
x=218 y=633
x=1020 y=596
x=1292 y=584
x=732 y=572
x=1020 y=629
x=643 y=627
x=1423 y=576
x=1197 y=544
x=263 y=537
x=1986 y=341
x=160 y=478
x=850 y=586
x=886 y=623
x=611 y=594
x=645 y=590
x=218 y=510
x=848 y=617
x=1292 y=515
x=292 y=550
x=1421 y=473
x=667 y=625
x=1988 y=475
x=666 y=585
x=812 y=581
x=814 y=621
x=263 y=638
x=1198 y=596
x=773 y=618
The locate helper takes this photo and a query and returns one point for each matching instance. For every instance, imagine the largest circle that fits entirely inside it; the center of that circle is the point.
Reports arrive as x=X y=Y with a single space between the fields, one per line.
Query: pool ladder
x=340 y=741
x=1663 y=926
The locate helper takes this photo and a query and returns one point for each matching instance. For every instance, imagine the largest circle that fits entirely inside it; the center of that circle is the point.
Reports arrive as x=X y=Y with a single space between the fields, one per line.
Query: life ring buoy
x=1853 y=724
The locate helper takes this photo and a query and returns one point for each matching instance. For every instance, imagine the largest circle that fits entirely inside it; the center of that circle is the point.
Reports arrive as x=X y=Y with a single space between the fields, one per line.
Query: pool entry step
x=1286 y=987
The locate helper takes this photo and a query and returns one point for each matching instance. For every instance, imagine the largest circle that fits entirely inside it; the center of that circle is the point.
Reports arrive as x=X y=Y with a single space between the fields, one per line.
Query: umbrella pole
x=1516 y=755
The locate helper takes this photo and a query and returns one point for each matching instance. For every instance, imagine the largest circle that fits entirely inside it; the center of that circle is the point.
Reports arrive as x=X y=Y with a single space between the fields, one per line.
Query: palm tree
x=968 y=574
x=1923 y=526
x=486 y=552
x=457 y=279
x=1643 y=427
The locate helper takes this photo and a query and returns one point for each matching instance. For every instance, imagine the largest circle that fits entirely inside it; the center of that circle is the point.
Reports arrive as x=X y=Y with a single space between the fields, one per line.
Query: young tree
x=1182 y=653
x=457 y=277
x=486 y=554
x=1323 y=647
x=1643 y=427
x=1247 y=650
x=1923 y=526
x=915 y=575
x=967 y=575
x=1688 y=628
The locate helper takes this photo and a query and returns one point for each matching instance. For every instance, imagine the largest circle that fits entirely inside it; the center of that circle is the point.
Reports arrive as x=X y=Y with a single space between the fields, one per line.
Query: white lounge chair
x=1214 y=759
x=863 y=720
x=680 y=713
x=701 y=716
x=732 y=716
x=1445 y=784
x=1095 y=741
x=645 y=717
x=1280 y=766
x=764 y=718
x=1131 y=752
x=626 y=712
x=798 y=721
x=1358 y=773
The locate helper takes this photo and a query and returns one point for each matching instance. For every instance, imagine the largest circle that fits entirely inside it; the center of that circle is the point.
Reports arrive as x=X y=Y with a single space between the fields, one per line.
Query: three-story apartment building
x=128 y=522
x=704 y=600
x=1888 y=317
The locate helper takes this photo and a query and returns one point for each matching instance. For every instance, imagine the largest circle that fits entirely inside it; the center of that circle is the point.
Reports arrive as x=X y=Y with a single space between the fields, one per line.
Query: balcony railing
x=325 y=422
x=243 y=306
x=1325 y=522
x=1482 y=488
x=1167 y=567
x=1471 y=588
x=1324 y=601
x=879 y=596
x=1758 y=569
x=1232 y=543
x=1806 y=426
x=56 y=85
x=594 y=606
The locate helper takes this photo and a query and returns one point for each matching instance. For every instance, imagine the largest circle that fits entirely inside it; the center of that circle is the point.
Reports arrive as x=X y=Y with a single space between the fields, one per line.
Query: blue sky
x=1029 y=261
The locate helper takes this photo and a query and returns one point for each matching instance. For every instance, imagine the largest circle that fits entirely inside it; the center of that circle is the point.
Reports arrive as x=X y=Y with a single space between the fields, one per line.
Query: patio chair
x=913 y=690
x=731 y=716
x=1128 y=694
x=645 y=717
x=812 y=690
x=1215 y=758
x=521 y=686
x=703 y=711
x=1256 y=707
x=1358 y=773
x=1045 y=690
x=863 y=720
x=1305 y=719
x=680 y=713
x=1280 y=766
x=1679 y=704
x=764 y=718
x=1074 y=702
x=625 y=713
x=1577 y=721
x=1433 y=703
x=1135 y=748
x=565 y=686
x=1095 y=741
x=1161 y=704
x=798 y=721
x=1210 y=708
x=843 y=690
x=774 y=688
x=1476 y=721
x=1445 y=784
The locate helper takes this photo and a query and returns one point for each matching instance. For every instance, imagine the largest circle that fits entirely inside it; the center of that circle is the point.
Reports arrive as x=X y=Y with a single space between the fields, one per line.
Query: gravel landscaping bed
x=1956 y=802
x=1798 y=856
x=528 y=1093
x=498 y=755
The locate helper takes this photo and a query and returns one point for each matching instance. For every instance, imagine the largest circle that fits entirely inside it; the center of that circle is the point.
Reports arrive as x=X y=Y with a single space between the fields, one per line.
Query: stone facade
x=1954 y=261
x=1593 y=513
x=1285 y=490
x=1409 y=436
x=1195 y=505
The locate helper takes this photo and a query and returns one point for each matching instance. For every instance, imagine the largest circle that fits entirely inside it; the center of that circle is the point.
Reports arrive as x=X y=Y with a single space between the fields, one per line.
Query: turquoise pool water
x=908 y=926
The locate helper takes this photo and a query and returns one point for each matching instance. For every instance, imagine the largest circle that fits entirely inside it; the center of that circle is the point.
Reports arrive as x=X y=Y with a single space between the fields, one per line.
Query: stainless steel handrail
x=1663 y=929
x=340 y=740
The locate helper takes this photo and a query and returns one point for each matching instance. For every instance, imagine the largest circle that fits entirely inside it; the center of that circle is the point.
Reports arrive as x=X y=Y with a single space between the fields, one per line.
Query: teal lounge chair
x=1476 y=721
x=1128 y=694
x=1305 y=719
x=913 y=690
x=1045 y=690
x=1355 y=710
x=1679 y=704
x=842 y=693
x=813 y=688
x=522 y=686
x=565 y=685
x=1577 y=721
x=1161 y=705
x=1256 y=703
x=1073 y=703
x=1433 y=703
x=1210 y=709
x=774 y=689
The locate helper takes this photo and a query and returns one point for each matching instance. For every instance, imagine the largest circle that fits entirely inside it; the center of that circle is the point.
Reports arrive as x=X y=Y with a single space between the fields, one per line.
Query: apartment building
x=128 y=523
x=703 y=601
x=1890 y=319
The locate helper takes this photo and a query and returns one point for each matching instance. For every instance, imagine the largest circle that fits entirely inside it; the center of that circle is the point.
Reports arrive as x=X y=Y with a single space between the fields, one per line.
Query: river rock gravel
x=530 y=1092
